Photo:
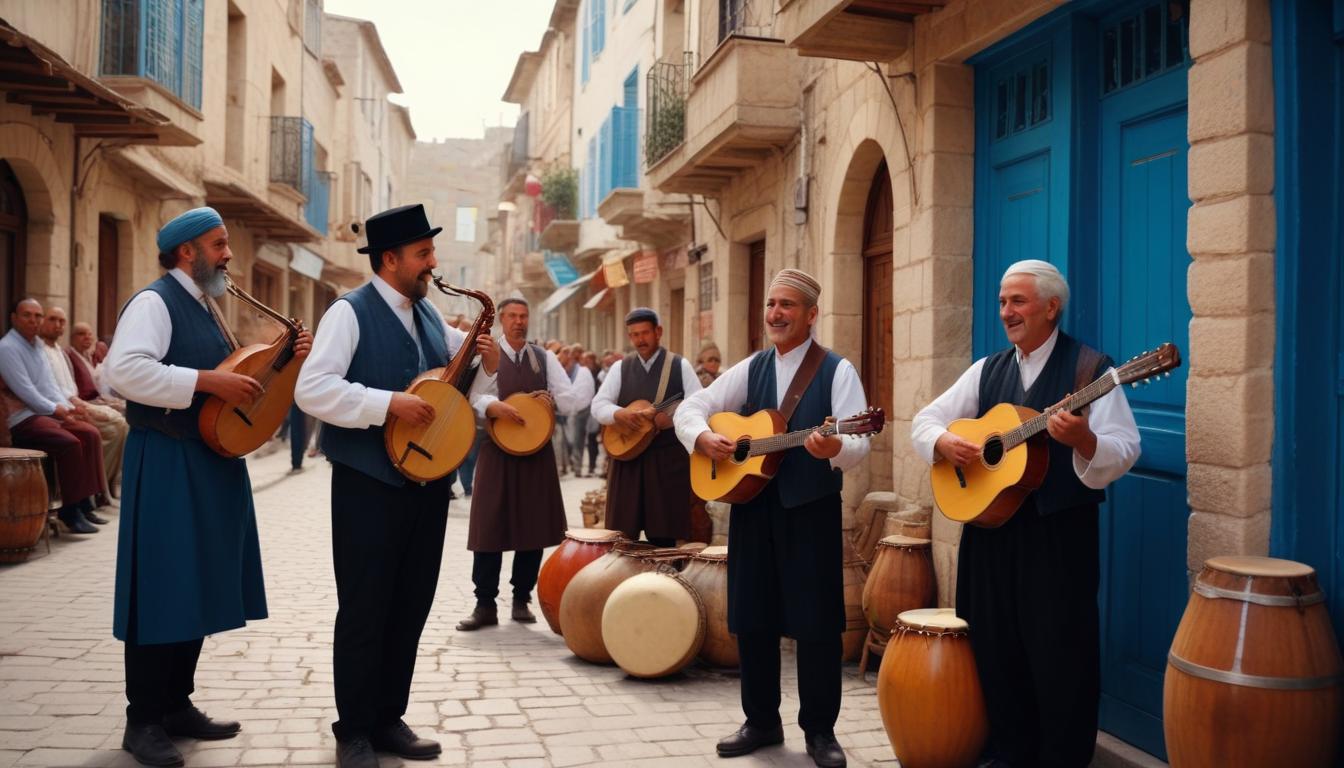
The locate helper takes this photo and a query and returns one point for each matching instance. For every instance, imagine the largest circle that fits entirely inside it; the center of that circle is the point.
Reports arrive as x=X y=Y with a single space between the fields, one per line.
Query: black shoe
x=522 y=614
x=401 y=741
x=480 y=617
x=192 y=723
x=355 y=753
x=74 y=520
x=95 y=518
x=748 y=739
x=150 y=745
x=825 y=750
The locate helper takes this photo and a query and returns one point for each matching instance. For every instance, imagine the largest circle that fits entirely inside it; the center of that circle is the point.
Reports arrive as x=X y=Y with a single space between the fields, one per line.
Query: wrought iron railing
x=518 y=152
x=665 y=121
x=291 y=151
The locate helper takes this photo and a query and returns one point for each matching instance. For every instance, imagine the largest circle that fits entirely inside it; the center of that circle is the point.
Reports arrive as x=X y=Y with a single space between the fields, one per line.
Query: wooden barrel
x=900 y=580
x=653 y=623
x=707 y=573
x=583 y=600
x=23 y=503
x=929 y=692
x=1254 y=676
x=856 y=626
x=580 y=547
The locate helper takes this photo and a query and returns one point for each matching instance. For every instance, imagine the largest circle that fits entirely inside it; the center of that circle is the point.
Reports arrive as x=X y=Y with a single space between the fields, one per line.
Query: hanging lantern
x=532 y=185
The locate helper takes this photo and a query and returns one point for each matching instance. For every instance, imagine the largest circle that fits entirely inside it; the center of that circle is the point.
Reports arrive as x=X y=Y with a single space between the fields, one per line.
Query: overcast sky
x=453 y=57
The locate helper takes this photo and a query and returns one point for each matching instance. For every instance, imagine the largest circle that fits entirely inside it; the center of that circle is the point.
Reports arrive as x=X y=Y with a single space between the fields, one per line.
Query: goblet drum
x=580 y=547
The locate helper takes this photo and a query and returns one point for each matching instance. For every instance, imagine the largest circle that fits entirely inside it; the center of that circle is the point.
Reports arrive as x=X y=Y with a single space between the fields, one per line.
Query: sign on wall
x=646 y=267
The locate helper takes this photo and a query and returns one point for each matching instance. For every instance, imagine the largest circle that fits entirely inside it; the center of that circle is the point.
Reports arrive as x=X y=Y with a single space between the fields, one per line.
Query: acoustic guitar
x=1014 y=455
x=427 y=453
x=529 y=437
x=625 y=444
x=760 y=444
x=237 y=429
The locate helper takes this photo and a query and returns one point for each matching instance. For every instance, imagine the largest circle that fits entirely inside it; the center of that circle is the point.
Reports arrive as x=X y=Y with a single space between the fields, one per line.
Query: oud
x=426 y=453
x=1014 y=455
x=625 y=444
x=236 y=429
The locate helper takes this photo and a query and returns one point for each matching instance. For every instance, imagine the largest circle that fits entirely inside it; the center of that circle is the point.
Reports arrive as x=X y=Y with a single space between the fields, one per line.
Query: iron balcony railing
x=160 y=40
x=665 y=95
x=292 y=152
x=518 y=152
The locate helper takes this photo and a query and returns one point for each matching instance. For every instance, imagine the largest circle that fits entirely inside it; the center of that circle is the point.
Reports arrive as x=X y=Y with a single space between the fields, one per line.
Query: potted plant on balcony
x=560 y=191
x=666 y=130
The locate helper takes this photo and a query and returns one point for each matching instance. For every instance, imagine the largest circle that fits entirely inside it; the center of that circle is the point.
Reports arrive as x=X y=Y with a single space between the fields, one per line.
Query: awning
x=564 y=293
x=596 y=299
x=559 y=267
x=305 y=262
x=234 y=201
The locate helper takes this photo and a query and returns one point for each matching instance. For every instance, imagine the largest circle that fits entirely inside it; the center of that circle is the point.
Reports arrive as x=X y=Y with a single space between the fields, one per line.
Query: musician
x=1029 y=588
x=386 y=533
x=784 y=575
x=652 y=491
x=188 y=561
x=524 y=512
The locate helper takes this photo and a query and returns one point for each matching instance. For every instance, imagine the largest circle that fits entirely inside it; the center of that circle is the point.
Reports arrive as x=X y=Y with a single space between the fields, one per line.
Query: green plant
x=560 y=191
x=667 y=129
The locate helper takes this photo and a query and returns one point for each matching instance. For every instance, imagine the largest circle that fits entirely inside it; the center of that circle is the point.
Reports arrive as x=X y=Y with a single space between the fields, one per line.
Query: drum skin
x=929 y=693
x=1283 y=700
x=653 y=624
x=900 y=580
x=580 y=547
x=707 y=573
x=586 y=595
x=23 y=503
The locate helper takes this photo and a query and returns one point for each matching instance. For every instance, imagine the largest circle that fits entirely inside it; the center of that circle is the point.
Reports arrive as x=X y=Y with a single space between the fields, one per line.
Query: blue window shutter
x=599 y=26
x=590 y=178
x=586 y=54
x=625 y=151
x=605 y=156
x=193 y=34
x=630 y=96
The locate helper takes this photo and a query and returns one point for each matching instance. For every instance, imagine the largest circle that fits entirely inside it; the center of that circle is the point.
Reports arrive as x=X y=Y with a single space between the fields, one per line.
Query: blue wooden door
x=1142 y=290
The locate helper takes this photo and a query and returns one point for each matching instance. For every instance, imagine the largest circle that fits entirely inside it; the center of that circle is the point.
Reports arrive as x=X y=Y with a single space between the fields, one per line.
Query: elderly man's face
x=788 y=317
x=81 y=338
x=53 y=325
x=1028 y=320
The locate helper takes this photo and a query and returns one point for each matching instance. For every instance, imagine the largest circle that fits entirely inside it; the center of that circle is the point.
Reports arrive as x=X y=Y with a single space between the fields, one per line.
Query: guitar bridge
x=961 y=477
x=412 y=446
x=243 y=416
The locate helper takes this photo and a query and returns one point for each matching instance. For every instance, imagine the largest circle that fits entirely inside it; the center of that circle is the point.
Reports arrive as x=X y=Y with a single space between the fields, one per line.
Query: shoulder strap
x=802 y=379
x=1088 y=360
x=664 y=377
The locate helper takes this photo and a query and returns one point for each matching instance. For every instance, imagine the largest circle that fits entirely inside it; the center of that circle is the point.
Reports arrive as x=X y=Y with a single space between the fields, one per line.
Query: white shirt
x=568 y=396
x=132 y=369
x=1109 y=417
x=729 y=393
x=324 y=392
x=604 y=402
x=60 y=368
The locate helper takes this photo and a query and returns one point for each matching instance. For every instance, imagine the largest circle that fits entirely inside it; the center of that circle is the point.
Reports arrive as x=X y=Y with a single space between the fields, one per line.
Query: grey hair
x=1049 y=282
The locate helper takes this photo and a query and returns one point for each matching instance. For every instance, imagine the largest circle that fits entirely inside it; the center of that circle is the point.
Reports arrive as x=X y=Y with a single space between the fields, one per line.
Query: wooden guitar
x=1014 y=455
x=625 y=444
x=237 y=429
x=529 y=437
x=760 y=444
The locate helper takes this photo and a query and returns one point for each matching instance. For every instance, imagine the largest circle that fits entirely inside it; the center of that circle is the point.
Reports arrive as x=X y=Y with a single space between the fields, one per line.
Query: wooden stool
x=874 y=642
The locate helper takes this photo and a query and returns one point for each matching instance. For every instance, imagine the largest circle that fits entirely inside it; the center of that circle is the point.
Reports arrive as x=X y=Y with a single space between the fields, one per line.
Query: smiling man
x=1028 y=589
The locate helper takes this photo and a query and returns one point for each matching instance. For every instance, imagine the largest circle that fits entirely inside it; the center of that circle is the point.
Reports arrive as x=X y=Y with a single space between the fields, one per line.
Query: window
x=1022 y=96
x=466 y=224
x=594 y=34
x=312 y=27
x=1145 y=44
x=292 y=152
x=156 y=39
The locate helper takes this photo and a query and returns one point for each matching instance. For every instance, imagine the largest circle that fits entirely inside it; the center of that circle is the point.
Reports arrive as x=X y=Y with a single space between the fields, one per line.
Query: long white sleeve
x=604 y=402
x=132 y=369
x=322 y=389
x=574 y=395
x=960 y=401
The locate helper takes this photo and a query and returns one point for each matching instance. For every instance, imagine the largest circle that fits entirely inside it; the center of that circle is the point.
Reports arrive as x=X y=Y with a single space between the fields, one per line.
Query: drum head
x=714 y=554
x=898 y=540
x=20 y=453
x=527 y=438
x=1247 y=565
x=653 y=625
x=591 y=535
x=934 y=619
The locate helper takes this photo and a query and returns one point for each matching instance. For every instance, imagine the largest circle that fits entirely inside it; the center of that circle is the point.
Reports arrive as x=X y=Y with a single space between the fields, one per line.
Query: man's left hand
x=1074 y=432
x=827 y=447
x=303 y=344
x=489 y=352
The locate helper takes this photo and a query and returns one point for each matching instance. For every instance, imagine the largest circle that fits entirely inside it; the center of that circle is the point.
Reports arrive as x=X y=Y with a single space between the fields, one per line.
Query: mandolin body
x=529 y=437
x=427 y=453
x=989 y=490
x=737 y=480
x=233 y=430
x=624 y=444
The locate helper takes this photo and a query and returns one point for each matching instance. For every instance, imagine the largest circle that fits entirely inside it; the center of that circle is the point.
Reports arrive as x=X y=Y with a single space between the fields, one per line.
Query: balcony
x=150 y=51
x=743 y=105
x=292 y=152
x=857 y=30
x=647 y=216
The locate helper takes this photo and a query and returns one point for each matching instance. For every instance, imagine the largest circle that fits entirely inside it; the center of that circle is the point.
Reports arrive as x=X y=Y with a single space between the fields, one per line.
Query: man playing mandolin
x=523 y=510
x=1028 y=589
x=651 y=491
x=785 y=565
x=386 y=533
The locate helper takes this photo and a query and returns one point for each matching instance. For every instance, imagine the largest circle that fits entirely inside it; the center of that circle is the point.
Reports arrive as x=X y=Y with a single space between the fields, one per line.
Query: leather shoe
x=95 y=518
x=74 y=520
x=150 y=745
x=355 y=753
x=521 y=614
x=825 y=750
x=401 y=741
x=192 y=723
x=750 y=738
x=480 y=617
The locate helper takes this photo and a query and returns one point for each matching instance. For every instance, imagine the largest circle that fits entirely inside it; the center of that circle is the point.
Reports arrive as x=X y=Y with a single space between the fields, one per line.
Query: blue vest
x=196 y=343
x=385 y=358
x=1001 y=382
x=801 y=479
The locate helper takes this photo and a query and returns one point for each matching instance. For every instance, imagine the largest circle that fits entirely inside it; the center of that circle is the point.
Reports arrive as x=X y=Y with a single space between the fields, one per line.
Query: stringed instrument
x=237 y=429
x=533 y=434
x=427 y=453
x=760 y=442
x=625 y=444
x=1014 y=455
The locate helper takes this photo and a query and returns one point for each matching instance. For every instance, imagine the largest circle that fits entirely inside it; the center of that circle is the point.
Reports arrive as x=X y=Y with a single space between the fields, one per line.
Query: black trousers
x=1029 y=592
x=387 y=544
x=160 y=679
x=818 y=681
x=485 y=568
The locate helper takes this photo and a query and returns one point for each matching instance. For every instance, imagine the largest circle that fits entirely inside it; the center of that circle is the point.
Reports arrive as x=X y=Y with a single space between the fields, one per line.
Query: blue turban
x=191 y=224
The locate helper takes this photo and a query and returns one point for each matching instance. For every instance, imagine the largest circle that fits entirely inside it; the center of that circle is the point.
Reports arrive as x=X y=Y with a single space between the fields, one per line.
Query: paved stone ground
x=511 y=696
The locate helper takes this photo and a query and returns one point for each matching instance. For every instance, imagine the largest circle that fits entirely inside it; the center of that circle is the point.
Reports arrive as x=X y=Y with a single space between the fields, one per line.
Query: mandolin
x=427 y=453
x=533 y=434
x=760 y=444
x=237 y=429
x=625 y=444
x=1014 y=455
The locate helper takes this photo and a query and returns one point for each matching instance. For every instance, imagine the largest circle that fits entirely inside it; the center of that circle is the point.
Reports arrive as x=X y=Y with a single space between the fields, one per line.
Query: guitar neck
x=667 y=404
x=776 y=443
x=1080 y=399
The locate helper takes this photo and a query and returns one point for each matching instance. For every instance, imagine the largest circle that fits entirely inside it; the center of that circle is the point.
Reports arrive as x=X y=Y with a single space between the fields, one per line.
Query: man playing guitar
x=784 y=572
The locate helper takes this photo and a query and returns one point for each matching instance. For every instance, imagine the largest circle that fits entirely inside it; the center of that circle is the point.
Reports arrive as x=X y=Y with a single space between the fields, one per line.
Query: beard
x=212 y=280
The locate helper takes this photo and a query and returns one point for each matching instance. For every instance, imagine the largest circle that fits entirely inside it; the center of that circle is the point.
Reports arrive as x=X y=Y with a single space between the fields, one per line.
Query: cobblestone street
x=510 y=696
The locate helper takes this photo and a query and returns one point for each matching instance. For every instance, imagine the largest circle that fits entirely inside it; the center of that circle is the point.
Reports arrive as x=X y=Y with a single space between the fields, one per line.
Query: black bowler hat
x=397 y=226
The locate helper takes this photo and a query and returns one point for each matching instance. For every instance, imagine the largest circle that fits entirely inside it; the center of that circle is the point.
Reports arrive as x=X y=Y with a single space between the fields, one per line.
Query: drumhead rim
x=933 y=619
x=901 y=540
x=600 y=535
x=1257 y=566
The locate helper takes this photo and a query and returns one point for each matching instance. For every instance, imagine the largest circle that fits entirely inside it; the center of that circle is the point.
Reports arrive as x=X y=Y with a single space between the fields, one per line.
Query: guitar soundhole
x=742 y=451
x=992 y=452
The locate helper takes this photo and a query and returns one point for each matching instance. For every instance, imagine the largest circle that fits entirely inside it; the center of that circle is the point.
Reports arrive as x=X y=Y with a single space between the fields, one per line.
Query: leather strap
x=663 y=378
x=215 y=314
x=802 y=379
x=1088 y=360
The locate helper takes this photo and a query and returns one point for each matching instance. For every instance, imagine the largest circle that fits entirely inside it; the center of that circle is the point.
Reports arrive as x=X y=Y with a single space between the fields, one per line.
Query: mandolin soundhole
x=992 y=452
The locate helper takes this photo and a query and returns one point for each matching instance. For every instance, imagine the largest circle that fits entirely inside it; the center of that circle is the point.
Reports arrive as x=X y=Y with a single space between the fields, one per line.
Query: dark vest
x=1001 y=382
x=639 y=384
x=801 y=478
x=519 y=377
x=196 y=343
x=385 y=358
